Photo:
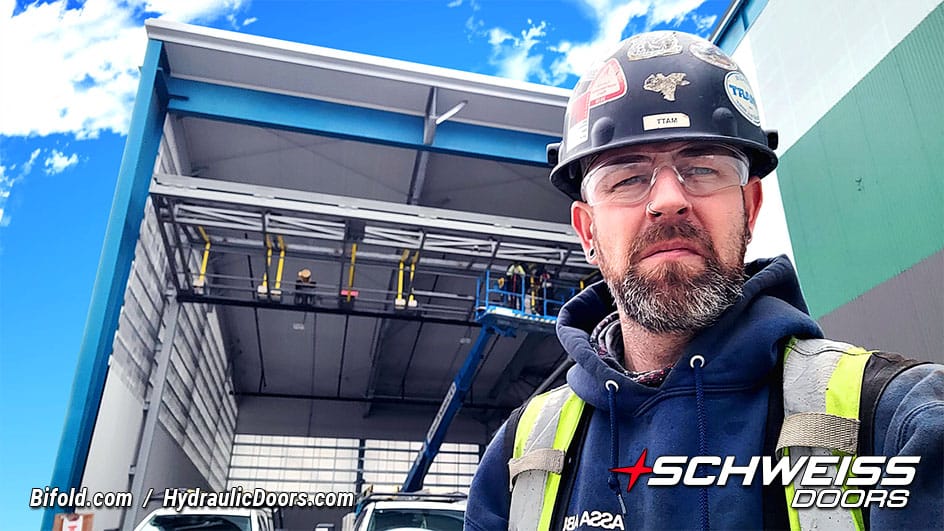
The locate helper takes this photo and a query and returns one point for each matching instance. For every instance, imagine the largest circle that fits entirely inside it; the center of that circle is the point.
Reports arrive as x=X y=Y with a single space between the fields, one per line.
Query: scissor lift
x=501 y=311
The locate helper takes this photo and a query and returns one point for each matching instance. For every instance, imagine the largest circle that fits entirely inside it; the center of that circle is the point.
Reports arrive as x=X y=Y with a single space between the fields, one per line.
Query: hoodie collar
x=740 y=349
x=607 y=339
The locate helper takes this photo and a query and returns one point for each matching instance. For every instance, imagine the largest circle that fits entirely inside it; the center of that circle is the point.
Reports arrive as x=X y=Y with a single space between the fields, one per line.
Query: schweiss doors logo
x=870 y=484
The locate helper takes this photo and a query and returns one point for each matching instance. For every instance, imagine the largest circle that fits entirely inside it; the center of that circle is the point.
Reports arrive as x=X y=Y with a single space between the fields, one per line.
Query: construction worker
x=304 y=288
x=512 y=286
x=690 y=364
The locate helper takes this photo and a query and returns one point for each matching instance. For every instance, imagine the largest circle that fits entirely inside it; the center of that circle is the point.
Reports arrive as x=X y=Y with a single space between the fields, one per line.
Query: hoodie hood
x=739 y=350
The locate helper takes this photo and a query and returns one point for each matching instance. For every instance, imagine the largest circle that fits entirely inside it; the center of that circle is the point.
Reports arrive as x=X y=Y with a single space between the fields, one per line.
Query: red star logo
x=636 y=470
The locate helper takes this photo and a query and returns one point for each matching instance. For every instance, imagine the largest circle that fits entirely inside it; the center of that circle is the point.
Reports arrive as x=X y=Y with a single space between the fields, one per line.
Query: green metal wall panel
x=863 y=189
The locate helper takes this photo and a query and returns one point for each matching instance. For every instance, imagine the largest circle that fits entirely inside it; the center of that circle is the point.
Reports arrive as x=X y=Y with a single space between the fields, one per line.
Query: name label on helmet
x=664 y=121
x=742 y=96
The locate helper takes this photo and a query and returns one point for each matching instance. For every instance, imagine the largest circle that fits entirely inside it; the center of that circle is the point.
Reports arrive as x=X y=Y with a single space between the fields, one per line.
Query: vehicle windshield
x=434 y=519
x=198 y=522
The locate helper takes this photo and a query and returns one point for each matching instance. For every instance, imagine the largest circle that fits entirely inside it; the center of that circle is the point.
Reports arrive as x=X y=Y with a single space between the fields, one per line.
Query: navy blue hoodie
x=740 y=351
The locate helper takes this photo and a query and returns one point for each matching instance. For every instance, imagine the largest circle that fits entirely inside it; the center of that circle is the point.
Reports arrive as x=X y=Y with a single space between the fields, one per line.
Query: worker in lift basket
x=683 y=350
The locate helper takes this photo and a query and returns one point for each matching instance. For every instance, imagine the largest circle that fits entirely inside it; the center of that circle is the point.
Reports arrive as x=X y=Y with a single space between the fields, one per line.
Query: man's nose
x=667 y=196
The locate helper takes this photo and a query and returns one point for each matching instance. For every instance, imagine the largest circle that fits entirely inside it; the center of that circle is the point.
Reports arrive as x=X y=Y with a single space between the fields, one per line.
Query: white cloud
x=454 y=3
x=671 y=11
x=6 y=184
x=515 y=56
x=28 y=165
x=248 y=21
x=57 y=162
x=704 y=25
x=77 y=67
x=523 y=57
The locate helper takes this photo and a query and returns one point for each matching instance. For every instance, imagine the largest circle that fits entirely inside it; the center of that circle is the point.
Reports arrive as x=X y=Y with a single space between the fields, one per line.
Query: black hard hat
x=663 y=86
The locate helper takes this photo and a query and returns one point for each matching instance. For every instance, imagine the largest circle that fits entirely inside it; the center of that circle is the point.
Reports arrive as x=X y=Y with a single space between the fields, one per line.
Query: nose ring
x=651 y=211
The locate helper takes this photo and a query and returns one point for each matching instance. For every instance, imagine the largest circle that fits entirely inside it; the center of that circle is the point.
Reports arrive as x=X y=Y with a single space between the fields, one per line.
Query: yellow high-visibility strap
x=206 y=254
x=566 y=428
x=278 y=273
x=842 y=398
x=350 y=271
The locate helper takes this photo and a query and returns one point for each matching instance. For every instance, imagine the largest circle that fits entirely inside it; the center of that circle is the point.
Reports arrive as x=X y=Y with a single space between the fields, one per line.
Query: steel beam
x=275 y=305
x=374 y=400
x=151 y=415
x=375 y=126
x=121 y=235
x=255 y=198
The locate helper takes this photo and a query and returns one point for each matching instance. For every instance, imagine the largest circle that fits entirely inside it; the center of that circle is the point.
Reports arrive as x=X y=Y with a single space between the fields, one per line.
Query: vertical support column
x=152 y=408
x=361 y=454
x=121 y=236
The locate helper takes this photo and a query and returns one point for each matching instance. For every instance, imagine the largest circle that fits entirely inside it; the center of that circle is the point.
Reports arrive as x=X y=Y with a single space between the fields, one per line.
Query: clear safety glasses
x=627 y=178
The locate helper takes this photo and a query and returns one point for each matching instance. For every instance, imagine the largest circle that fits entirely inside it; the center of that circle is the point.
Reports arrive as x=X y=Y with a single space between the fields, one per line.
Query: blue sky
x=69 y=77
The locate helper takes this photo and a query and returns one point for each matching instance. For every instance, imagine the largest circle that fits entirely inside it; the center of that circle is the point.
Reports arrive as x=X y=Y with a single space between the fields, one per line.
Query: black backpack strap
x=511 y=428
x=881 y=369
x=774 y=498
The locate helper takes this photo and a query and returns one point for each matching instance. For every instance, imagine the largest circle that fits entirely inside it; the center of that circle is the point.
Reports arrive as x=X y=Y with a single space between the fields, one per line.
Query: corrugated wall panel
x=862 y=189
x=198 y=410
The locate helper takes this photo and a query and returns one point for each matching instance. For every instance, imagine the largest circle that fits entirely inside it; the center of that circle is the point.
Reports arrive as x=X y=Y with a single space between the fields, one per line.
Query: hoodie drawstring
x=613 y=481
x=697 y=362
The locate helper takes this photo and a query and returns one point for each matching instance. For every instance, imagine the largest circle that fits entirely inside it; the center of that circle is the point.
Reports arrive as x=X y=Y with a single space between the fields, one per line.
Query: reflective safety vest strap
x=822 y=386
x=542 y=436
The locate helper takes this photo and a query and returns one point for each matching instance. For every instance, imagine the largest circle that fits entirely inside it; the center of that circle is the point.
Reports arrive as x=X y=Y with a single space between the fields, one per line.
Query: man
x=304 y=288
x=681 y=350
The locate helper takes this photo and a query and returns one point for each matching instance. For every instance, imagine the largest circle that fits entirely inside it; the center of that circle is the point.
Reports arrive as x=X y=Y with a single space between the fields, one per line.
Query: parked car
x=407 y=512
x=207 y=520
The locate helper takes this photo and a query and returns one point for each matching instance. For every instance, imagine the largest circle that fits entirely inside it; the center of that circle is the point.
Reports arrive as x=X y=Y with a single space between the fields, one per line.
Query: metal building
x=854 y=90
x=208 y=361
x=288 y=293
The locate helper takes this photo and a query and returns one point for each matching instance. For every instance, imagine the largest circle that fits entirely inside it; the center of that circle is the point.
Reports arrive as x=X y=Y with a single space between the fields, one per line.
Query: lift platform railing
x=529 y=299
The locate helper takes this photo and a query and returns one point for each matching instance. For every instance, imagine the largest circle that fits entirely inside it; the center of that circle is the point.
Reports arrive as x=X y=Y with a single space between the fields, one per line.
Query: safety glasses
x=627 y=178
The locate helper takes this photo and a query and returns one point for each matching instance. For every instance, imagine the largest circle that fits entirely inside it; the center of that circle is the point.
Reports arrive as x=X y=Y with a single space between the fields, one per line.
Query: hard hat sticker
x=608 y=84
x=664 y=121
x=665 y=84
x=577 y=124
x=652 y=45
x=739 y=92
x=712 y=55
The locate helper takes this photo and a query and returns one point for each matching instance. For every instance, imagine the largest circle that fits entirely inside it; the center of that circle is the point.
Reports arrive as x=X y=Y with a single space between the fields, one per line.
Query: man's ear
x=753 y=198
x=581 y=218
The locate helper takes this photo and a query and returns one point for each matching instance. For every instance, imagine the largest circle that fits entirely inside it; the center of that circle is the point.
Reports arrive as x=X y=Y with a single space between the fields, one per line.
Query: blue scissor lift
x=501 y=312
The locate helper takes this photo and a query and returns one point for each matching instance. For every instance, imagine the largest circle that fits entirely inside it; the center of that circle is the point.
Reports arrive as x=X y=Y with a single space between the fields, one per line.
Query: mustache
x=678 y=230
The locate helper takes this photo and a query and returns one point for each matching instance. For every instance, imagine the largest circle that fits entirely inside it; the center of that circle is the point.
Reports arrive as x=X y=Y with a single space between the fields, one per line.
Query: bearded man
x=687 y=355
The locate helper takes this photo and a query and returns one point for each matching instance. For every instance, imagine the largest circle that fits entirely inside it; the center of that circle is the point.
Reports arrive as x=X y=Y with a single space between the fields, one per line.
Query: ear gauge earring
x=591 y=254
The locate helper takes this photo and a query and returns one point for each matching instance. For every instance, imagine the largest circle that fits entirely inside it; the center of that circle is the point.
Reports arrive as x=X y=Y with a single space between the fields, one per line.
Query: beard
x=673 y=297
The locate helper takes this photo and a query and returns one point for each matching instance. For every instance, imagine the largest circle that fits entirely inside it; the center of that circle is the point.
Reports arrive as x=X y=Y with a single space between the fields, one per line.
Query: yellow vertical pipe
x=278 y=273
x=206 y=254
x=416 y=256
x=350 y=272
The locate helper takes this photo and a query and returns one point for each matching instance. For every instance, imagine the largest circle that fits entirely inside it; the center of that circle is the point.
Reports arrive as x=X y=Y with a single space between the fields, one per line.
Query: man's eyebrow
x=626 y=158
x=707 y=149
